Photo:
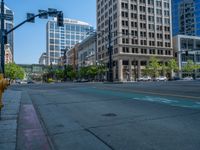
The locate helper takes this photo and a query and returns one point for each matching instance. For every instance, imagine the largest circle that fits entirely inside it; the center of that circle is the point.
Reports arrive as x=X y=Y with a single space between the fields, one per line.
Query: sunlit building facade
x=43 y=59
x=8 y=54
x=60 y=38
x=9 y=24
x=187 y=48
x=140 y=29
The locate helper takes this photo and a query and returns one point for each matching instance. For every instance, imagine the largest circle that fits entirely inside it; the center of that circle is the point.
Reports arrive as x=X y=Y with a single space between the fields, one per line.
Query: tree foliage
x=190 y=67
x=172 y=65
x=154 y=66
x=90 y=72
x=14 y=71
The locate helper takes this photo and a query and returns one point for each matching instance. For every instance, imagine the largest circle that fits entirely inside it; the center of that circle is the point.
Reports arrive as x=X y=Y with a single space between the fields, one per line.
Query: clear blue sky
x=30 y=39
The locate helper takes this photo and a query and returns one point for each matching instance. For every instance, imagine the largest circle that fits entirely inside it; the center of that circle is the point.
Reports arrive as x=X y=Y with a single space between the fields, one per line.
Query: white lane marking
x=155 y=99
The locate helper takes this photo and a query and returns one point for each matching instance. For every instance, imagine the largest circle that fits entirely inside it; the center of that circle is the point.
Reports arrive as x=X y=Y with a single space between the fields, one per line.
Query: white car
x=188 y=78
x=145 y=78
x=23 y=82
x=161 y=78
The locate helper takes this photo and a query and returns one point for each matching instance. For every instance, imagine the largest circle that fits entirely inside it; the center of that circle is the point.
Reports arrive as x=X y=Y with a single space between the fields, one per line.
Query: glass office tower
x=186 y=17
x=59 y=38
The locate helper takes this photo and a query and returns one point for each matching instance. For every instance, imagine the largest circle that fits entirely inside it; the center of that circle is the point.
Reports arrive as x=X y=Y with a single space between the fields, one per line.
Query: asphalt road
x=96 y=116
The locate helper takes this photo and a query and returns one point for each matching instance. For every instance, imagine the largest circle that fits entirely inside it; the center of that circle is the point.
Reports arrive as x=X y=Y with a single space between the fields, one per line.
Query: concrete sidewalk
x=8 y=123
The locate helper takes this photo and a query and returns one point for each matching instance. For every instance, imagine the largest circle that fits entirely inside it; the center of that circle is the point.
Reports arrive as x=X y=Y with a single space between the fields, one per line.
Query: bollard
x=3 y=85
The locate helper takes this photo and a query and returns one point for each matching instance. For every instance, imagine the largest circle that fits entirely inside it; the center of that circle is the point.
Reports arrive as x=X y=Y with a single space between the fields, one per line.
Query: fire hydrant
x=3 y=85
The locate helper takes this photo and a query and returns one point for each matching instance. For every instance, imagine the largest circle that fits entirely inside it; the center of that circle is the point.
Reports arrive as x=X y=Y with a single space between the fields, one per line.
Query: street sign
x=43 y=14
x=30 y=17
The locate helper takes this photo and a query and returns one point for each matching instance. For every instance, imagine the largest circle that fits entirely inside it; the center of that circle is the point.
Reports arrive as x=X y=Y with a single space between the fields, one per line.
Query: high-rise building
x=9 y=23
x=140 y=29
x=59 y=38
x=186 y=17
x=43 y=59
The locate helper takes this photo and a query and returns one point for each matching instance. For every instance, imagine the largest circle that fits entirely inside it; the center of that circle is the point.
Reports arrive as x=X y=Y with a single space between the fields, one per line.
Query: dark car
x=30 y=82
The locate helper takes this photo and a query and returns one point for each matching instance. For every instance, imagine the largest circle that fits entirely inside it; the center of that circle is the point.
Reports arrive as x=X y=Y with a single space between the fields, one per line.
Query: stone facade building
x=140 y=29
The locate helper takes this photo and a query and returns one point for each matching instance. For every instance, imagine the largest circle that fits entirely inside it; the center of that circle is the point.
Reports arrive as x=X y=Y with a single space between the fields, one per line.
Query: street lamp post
x=65 y=65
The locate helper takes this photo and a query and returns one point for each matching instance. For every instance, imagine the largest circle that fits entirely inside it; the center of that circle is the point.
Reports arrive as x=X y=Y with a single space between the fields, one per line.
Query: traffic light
x=52 y=12
x=30 y=17
x=43 y=14
x=60 y=19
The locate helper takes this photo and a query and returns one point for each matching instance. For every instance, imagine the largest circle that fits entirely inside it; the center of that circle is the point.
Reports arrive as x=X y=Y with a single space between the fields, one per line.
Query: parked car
x=145 y=78
x=176 y=78
x=23 y=82
x=161 y=78
x=188 y=78
x=18 y=81
x=198 y=78
x=30 y=82
x=84 y=80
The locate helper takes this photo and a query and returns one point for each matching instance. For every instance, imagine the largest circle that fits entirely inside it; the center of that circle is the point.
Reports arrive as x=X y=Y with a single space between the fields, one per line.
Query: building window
x=134 y=50
x=151 y=51
x=125 y=50
x=158 y=3
x=143 y=51
x=125 y=62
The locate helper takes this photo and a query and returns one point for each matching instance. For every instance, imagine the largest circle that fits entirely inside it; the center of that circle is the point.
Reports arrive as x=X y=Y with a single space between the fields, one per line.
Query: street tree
x=172 y=67
x=101 y=69
x=189 y=67
x=164 y=69
x=154 y=66
x=92 y=71
x=14 y=71
x=82 y=72
x=147 y=71
x=59 y=74
x=72 y=74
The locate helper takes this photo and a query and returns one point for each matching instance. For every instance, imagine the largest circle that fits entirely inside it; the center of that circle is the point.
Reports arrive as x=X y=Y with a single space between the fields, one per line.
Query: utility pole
x=65 y=65
x=110 y=49
x=2 y=38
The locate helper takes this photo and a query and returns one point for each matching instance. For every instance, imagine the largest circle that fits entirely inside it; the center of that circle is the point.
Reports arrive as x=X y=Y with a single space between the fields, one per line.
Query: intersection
x=143 y=115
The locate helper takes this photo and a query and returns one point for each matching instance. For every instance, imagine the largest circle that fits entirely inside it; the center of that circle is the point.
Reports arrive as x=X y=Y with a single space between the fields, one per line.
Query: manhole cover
x=109 y=115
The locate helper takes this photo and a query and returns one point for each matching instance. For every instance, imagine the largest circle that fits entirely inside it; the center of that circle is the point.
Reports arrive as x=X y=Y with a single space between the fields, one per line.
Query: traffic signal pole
x=2 y=70
x=4 y=33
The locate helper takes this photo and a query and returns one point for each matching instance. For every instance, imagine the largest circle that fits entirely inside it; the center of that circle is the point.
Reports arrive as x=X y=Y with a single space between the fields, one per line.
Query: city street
x=100 y=116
